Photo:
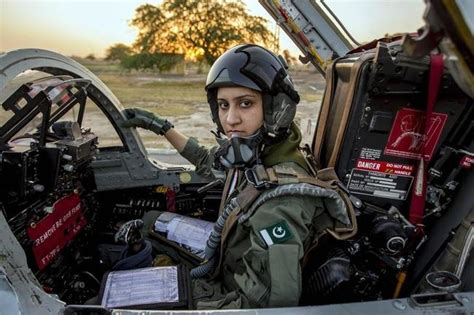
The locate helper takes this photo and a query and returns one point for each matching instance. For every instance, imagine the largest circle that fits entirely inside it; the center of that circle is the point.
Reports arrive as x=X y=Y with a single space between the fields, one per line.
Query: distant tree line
x=198 y=30
x=156 y=61
x=118 y=52
x=142 y=60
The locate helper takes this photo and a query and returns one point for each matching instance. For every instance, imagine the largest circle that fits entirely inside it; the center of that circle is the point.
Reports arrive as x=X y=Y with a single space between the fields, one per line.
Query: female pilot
x=255 y=260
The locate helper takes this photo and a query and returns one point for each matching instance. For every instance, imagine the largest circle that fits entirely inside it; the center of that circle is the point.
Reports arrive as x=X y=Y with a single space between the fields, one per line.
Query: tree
x=290 y=59
x=200 y=29
x=117 y=52
x=90 y=57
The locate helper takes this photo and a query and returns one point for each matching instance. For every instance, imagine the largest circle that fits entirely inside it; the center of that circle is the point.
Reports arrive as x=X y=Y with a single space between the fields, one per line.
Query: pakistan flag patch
x=277 y=233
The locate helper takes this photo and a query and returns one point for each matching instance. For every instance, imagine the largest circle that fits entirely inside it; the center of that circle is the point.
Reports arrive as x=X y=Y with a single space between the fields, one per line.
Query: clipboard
x=147 y=288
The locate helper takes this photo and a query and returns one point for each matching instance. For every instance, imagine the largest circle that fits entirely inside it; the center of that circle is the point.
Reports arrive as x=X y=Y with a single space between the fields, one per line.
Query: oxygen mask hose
x=213 y=242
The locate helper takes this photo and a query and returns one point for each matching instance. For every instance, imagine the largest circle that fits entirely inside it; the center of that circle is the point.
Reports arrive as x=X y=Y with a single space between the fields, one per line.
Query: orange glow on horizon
x=83 y=27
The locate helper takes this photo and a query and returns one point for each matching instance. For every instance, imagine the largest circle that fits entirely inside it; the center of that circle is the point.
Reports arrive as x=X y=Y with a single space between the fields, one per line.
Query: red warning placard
x=53 y=232
x=407 y=137
x=385 y=167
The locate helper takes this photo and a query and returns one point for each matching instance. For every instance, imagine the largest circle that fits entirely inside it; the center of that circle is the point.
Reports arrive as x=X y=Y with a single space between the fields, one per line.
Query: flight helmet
x=257 y=68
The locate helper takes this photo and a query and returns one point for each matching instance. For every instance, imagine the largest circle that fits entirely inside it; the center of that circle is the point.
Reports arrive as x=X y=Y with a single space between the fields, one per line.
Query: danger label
x=385 y=167
x=407 y=137
x=381 y=185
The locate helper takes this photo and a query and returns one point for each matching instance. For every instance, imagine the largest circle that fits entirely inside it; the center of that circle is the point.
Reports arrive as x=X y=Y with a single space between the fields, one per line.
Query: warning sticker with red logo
x=466 y=161
x=407 y=137
x=385 y=167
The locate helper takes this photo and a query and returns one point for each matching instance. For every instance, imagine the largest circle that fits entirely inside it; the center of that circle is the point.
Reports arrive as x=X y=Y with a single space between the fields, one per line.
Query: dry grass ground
x=167 y=98
x=182 y=100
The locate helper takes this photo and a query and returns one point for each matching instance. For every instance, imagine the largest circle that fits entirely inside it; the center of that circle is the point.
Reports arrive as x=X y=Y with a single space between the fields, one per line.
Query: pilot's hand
x=137 y=117
x=129 y=232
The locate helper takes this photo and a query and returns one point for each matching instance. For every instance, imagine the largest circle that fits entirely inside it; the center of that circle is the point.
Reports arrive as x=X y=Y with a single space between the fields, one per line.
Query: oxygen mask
x=238 y=151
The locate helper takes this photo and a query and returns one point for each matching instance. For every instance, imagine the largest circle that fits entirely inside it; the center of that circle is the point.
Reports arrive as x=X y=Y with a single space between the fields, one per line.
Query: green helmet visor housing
x=257 y=68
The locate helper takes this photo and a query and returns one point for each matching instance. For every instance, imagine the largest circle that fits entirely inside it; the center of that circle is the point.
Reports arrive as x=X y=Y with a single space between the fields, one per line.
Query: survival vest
x=270 y=182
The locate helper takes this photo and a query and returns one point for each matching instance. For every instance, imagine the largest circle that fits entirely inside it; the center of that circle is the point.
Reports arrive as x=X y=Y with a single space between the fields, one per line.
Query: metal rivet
x=399 y=305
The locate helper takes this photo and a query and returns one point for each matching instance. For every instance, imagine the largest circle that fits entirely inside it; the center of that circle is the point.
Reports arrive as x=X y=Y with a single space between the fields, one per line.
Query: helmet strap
x=212 y=101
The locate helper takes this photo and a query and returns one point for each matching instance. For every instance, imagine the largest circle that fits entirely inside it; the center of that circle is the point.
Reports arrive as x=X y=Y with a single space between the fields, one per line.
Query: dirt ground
x=182 y=100
x=196 y=120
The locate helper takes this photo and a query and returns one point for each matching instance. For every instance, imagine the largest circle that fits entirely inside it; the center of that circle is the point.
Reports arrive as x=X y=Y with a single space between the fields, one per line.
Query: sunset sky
x=81 y=27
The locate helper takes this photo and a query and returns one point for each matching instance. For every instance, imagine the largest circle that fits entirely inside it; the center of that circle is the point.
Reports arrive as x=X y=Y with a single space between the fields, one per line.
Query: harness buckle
x=258 y=177
x=356 y=202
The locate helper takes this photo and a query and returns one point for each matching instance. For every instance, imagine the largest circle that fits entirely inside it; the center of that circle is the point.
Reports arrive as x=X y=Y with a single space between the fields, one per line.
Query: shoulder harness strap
x=264 y=178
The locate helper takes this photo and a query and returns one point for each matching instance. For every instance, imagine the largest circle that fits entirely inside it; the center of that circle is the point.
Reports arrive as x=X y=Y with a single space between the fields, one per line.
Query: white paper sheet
x=141 y=286
x=191 y=233
x=162 y=222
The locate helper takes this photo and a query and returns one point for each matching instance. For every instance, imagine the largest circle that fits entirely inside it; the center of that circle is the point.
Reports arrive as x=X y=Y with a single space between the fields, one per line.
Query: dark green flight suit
x=258 y=269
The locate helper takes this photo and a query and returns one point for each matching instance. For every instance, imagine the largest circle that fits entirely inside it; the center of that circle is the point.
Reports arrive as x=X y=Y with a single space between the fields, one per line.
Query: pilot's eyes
x=223 y=105
x=242 y=103
x=245 y=103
